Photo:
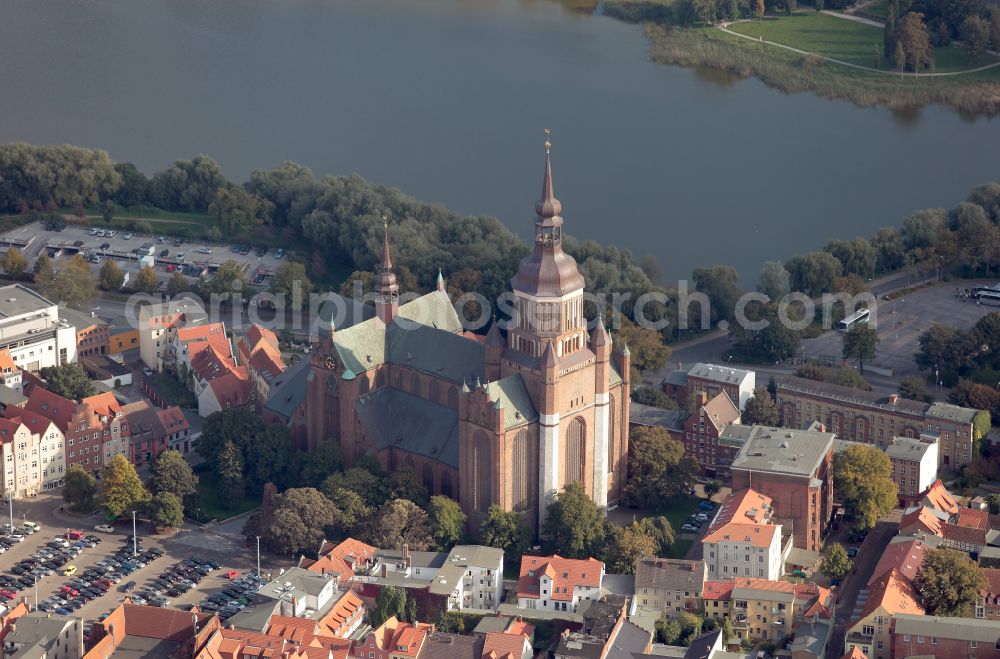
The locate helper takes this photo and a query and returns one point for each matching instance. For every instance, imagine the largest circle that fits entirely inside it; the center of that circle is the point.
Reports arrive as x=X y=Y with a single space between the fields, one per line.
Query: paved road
x=853 y=590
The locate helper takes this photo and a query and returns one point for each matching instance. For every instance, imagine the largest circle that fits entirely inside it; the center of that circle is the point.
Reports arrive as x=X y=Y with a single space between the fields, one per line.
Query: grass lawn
x=678 y=508
x=680 y=548
x=838 y=38
x=878 y=9
x=210 y=505
x=842 y=39
x=173 y=391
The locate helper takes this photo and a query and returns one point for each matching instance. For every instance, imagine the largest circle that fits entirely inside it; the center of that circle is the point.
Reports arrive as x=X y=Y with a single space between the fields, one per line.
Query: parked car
x=127 y=236
x=706 y=505
x=69 y=570
x=690 y=528
x=852 y=552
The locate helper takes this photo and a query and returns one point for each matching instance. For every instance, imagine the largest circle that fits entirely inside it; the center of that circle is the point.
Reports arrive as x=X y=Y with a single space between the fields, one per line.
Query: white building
x=742 y=542
x=914 y=463
x=471 y=578
x=156 y=321
x=33 y=454
x=554 y=583
x=31 y=331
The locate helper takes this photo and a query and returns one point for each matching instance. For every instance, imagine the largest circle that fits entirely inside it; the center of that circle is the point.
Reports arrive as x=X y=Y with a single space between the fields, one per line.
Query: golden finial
x=548 y=140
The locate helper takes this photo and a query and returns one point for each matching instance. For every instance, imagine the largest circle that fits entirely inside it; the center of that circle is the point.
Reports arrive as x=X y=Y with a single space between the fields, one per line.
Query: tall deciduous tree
x=14 y=263
x=661 y=531
x=975 y=32
x=80 y=490
x=111 y=277
x=165 y=510
x=836 y=562
x=73 y=284
x=760 y=409
x=43 y=273
x=229 y=470
x=171 y=473
x=914 y=388
x=862 y=478
x=68 y=380
x=447 y=522
x=623 y=546
x=121 y=489
x=396 y=523
x=290 y=277
x=506 y=530
x=950 y=583
x=657 y=467
x=368 y=486
x=721 y=284
x=574 y=526
x=912 y=35
x=177 y=284
x=146 y=281
x=238 y=210
x=859 y=343
x=293 y=522
x=351 y=508
x=390 y=602
x=773 y=280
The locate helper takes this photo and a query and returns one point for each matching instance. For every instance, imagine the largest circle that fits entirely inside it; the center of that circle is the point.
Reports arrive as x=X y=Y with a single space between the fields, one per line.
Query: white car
x=690 y=528
x=127 y=236
x=104 y=528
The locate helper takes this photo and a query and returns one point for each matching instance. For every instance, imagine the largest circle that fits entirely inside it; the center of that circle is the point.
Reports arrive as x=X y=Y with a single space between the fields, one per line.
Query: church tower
x=386 y=288
x=548 y=346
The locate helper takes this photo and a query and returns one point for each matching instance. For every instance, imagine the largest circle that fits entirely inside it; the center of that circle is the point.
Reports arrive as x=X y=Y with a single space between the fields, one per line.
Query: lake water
x=447 y=99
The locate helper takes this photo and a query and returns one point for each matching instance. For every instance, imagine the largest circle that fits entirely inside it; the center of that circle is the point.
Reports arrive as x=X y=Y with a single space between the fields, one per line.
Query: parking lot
x=192 y=257
x=901 y=322
x=224 y=558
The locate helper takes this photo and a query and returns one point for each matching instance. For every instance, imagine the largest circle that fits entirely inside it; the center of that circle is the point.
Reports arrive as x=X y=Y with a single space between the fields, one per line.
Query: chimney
x=893 y=399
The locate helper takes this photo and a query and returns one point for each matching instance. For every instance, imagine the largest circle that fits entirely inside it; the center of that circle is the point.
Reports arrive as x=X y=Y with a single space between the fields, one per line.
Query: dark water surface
x=446 y=99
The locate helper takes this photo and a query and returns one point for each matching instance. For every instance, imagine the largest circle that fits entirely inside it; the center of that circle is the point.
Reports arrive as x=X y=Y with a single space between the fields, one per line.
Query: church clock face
x=329 y=361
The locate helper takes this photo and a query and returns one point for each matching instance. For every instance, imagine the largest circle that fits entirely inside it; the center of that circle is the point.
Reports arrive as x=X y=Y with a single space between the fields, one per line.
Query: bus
x=859 y=317
x=985 y=295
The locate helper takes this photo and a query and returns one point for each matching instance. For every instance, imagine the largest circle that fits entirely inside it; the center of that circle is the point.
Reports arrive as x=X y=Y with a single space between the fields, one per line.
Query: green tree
x=54 y=176
x=862 y=477
x=177 y=284
x=390 y=602
x=624 y=546
x=146 y=281
x=187 y=185
x=14 y=263
x=171 y=473
x=975 y=32
x=657 y=467
x=292 y=522
x=836 y=562
x=319 y=464
x=661 y=531
x=667 y=630
x=43 y=273
x=912 y=35
x=227 y=280
x=506 y=530
x=229 y=470
x=889 y=45
x=73 y=284
x=950 y=583
x=371 y=488
x=404 y=483
x=237 y=210
x=111 y=277
x=165 y=510
x=234 y=425
x=993 y=501
x=713 y=486
x=760 y=409
x=395 y=523
x=268 y=458
x=288 y=277
x=859 y=343
x=727 y=630
x=690 y=627
x=914 y=388
x=447 y=522
x=647 y=395
x=121 y=489
x=773 y=280
x=813 y=273
x=646 y=346
x=80 y=490
x=67 y=380
x=574 y=526
x=721 y=284
x=351 y=509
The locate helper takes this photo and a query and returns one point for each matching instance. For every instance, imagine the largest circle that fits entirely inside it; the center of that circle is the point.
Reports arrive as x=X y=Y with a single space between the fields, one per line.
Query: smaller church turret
x=494 y=351
x=386 y=288
x=440 y=281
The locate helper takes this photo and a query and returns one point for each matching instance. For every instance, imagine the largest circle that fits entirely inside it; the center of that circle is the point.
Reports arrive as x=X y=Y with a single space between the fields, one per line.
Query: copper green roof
x=395 y=418
x=514 y=401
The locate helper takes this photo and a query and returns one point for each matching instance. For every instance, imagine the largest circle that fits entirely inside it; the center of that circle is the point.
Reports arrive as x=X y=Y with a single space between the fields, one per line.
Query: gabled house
x=555 y=583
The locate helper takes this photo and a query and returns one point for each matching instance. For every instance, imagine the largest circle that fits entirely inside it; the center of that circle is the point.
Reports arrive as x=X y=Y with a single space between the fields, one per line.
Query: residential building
x=868 y=417
x=795 y=469
x=185 y=341
x=393 y=640
x=95 y=429
x=148 y=631
x=156 y=321
x=33 y=332
x=703 y=428
x=742 y=541
x=44 y=636
x=9 y=615
x=122 y=338
x=231 y=389
x=505 y=645
x=508 y=420
x=904 y=554
x=154 y=429
x=10 y=374
x=761 y=609
x=988 y=607
x=440 y=645
x=341 y=560
x=554 y=583
x=871 y=631
x=103 y=370
x=259 y=351
x=32 y=450
x=914 y=466
x=469 y=577
x=605 y=633
x=918 y=635
x=712 y=380
x=92 y=332
x=667 y=586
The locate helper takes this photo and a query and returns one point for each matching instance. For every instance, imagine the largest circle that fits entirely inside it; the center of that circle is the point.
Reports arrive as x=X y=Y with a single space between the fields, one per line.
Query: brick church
x=508 y=420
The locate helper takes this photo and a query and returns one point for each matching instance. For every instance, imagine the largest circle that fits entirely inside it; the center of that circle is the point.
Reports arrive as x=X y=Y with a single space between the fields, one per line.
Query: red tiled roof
x=36 y=423
x=922 y=518
x=905 y=557
x=938 y=497
x=973 y=519
x=894 y=593
x=8 y=428
x=103 y=404
x=173 y=420
x=346 y=607
x=717 y=590
x=502 y=645
x=992 y=575
x=6 y=361
x=51 y=405
x=214 y=333
x=565 y=573
x=742 y=519
x=232 y=389
x=341 y=559
x=855 y=653
x=207 y=363
x=963 y=534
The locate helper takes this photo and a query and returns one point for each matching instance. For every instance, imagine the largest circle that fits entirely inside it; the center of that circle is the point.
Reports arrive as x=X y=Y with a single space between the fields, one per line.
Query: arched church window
x=482 y=469
x=415 y=384
x=521 y=470
x=428 y=478
x=433 y=391
x=575 y=450
x=453 y=397
x=612 y=449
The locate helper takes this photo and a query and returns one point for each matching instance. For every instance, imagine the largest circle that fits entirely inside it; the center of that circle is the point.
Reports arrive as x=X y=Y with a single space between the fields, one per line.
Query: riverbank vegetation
x=921 y=36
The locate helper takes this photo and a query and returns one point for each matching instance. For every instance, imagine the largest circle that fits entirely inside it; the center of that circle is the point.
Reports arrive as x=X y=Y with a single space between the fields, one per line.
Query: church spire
x=386 y=288
x=548 y=206
x=440 y=281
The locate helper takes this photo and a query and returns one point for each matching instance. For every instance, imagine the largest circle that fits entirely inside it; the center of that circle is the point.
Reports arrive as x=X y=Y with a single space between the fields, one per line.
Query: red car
x=171 y=267
x=9 y=594
x=69 y=590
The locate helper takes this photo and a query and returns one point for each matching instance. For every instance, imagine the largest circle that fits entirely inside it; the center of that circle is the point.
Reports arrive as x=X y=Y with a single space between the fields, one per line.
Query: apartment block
x=703 y=428
x=554 y=583
x=914 y=465
x=742 y=541
x=157 y=322
x=668 y=586
x=710 y=379
x=945 y=638
x=33 y=332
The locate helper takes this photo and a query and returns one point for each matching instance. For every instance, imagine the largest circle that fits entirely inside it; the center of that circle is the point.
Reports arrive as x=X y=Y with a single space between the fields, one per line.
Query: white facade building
x=554 y=583
x=32 y=449
x=742 y=542
x=31 y=331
